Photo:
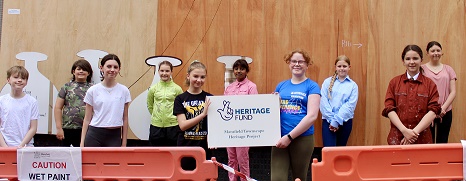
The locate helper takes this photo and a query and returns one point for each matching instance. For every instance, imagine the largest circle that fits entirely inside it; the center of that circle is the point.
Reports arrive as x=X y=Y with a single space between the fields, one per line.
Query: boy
x=18 y=111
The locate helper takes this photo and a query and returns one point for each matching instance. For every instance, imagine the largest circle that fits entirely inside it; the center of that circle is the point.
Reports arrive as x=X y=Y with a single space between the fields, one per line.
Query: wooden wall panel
x=278 y=41
x=247 y=38
x=183 y=37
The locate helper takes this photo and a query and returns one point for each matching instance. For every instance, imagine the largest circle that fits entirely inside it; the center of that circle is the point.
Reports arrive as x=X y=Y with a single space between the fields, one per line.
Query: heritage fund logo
x=227 y=113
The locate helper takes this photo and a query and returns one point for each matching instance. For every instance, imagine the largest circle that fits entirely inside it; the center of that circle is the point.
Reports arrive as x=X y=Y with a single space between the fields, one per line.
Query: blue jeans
x=339 y=138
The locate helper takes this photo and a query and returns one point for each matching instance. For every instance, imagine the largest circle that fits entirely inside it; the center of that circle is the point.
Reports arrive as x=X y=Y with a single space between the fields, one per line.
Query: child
x=337 y=105
x=70 y=106
x=190 y=109
x=411 y=102
x=18 y=111
x=444 y=77
x=299 y=107
x=164 y=127
x=106 y=120
x=242 y=86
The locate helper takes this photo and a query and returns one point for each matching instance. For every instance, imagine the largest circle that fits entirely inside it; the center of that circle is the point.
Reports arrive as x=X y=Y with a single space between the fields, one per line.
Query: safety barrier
x=402 y=162
x=130 y=163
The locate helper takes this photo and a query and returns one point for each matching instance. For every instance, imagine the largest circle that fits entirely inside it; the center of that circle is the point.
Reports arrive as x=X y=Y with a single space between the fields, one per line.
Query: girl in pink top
x=445 y=78
x=242 y=86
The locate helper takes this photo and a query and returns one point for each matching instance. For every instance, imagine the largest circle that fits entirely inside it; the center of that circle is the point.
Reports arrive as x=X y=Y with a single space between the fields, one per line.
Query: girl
x=242 y=86
x=190 y=109
x=337 y=105
x=106 y=120
x=164 y=127
x=445 y=78
x=70 y=106
x=299 y=107
x=411 y=102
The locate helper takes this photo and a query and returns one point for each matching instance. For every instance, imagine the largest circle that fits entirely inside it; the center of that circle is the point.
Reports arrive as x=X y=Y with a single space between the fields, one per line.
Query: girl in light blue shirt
x=339 y=98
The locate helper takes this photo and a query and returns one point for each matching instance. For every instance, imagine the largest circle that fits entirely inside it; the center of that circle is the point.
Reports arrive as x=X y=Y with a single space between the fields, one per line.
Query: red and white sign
x=52 y=163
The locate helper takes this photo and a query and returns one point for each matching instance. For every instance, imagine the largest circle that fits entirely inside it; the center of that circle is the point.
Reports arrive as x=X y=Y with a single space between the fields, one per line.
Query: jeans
x=339 y=138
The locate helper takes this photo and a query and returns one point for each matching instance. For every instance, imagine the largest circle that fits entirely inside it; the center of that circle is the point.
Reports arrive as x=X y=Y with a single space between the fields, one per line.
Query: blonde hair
x=334 y=77
x=195 y=65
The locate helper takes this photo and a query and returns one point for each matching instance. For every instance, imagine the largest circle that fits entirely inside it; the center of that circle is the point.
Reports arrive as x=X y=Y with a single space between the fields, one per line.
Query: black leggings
x=443 y=128
x=167 y=136
x=102 y=137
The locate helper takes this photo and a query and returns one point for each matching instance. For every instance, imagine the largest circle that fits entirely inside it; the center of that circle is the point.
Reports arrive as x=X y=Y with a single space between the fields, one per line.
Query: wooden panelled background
x=264 y=30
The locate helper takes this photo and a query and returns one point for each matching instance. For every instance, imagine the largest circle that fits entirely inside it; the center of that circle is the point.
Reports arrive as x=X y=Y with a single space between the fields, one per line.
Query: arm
x=409 y=134
x=2 y=141
x=425 y=122
x=31 y=132
x=325 y=107
x=450 y=98
x=59 y=117
x=86 y=122
x=124 y=135
x=150 y=100
x=305 y=123
x=346 y=110
x=186 y=124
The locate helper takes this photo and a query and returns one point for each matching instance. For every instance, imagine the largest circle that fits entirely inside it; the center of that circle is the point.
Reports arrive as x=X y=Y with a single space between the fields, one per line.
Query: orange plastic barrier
x=130 y=163
x=402 y=162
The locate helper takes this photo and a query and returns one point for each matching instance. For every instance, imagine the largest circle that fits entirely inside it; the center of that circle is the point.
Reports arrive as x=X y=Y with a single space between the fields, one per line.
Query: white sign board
x=243 y=120
x=49 y=163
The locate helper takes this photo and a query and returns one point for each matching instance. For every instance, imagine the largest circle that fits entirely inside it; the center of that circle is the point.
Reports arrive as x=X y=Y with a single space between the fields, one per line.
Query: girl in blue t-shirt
x=299 y=107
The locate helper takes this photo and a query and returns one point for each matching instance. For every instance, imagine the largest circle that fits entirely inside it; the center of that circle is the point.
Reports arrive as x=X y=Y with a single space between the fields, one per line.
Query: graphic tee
x=293 y=104
x=192 y=105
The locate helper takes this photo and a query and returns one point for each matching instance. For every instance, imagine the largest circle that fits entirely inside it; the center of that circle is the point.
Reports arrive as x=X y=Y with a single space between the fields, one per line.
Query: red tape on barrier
x=232 y=170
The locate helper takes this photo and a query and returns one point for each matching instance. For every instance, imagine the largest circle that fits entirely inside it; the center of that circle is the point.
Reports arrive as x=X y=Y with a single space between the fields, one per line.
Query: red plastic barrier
x=402 y=162
x=130 y=163
x=8 y=163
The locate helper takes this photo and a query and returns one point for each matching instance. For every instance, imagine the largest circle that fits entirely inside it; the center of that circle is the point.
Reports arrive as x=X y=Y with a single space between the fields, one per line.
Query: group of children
x=97 y=115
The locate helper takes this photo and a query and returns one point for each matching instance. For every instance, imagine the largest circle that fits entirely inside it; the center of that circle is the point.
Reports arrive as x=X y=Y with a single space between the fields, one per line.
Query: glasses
x=299 y=62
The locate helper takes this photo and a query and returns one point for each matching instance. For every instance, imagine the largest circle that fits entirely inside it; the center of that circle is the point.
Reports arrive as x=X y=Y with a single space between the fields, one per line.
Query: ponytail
x=334 y=77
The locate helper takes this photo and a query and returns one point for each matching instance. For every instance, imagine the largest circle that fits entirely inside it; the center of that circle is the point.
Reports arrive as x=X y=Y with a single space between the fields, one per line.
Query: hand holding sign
x=226 y=112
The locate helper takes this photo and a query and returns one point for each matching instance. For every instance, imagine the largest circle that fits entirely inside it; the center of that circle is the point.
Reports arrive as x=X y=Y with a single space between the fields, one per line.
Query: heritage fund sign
x=243 y=120
x=53 y=163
